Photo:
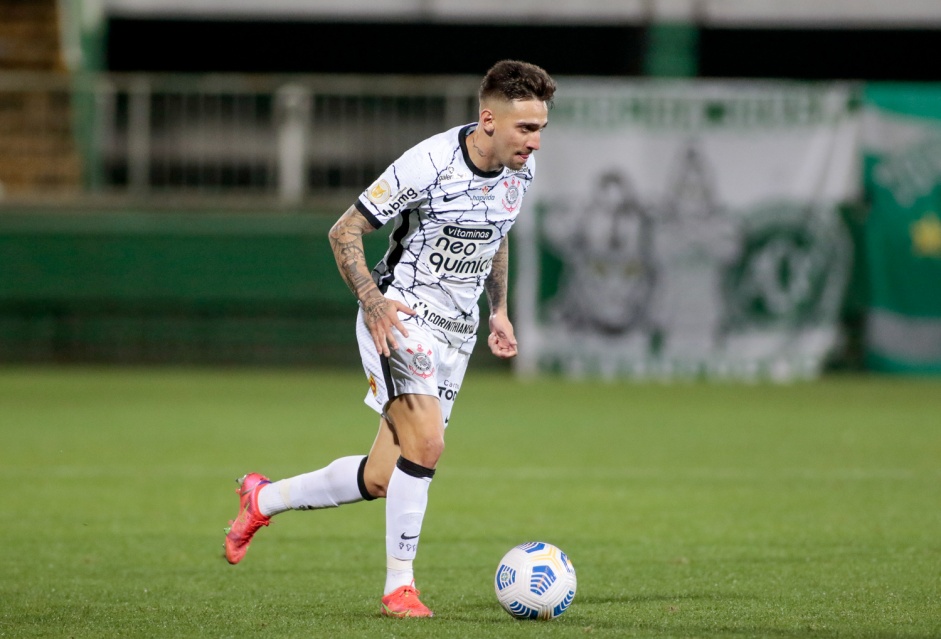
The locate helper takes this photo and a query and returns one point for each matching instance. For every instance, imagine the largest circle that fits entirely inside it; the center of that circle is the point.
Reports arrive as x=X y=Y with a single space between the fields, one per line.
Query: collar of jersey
x=462 y=139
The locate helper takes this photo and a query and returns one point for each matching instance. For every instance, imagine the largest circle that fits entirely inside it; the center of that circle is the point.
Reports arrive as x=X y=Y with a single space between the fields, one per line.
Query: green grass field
x=689 y=510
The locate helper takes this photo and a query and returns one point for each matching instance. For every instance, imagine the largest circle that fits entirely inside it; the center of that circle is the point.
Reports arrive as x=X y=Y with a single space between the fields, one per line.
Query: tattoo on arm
x=346 y=240
x=496 y=284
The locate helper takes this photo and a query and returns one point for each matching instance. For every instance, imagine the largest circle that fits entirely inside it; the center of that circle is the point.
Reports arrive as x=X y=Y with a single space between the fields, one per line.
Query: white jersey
x=449 y=220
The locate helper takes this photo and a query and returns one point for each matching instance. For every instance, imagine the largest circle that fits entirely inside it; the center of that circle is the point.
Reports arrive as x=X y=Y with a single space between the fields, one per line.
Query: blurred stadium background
x=169 y=168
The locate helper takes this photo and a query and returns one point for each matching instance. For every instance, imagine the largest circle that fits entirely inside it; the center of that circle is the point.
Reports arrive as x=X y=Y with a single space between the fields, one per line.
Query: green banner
x=903 y=230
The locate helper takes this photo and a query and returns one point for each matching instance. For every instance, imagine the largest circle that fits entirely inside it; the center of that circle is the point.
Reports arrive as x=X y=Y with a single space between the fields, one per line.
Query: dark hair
x=515 y=80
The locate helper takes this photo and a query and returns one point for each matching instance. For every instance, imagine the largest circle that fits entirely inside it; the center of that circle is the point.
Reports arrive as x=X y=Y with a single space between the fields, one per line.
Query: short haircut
x=515 y=80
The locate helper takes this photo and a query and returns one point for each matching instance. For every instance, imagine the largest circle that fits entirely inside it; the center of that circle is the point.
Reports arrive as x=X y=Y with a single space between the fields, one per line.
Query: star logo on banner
x=926 y=235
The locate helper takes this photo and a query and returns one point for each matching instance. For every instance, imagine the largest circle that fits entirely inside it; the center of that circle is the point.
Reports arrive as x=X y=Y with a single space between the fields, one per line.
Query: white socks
x=406 y=501
x=339 y=483
x=329 y=487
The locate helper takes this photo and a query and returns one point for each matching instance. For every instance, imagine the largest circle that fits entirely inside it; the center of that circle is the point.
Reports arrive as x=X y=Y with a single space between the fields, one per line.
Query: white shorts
x=422 y=365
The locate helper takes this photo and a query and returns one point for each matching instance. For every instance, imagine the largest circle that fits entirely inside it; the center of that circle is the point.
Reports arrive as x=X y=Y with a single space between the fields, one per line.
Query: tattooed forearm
x=351 y=260
x=346 y=240
x=496 y=284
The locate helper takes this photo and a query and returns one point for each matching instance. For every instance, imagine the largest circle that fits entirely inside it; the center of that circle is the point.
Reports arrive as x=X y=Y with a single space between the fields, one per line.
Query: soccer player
x=452 y=199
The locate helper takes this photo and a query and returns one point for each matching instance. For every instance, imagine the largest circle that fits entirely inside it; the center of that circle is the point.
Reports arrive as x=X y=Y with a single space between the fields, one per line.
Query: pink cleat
x=403 y=602
x=241 y=530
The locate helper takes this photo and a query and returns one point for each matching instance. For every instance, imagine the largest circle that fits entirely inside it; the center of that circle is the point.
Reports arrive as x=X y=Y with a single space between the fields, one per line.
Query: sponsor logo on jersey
x=464 y=233
x=421 y=363
x=447 y=174
x=444 y=323
x=456 y=251
x=511 y=198
x=400 y=200
x=484 y=196
x=453 y=326
x=379 y=193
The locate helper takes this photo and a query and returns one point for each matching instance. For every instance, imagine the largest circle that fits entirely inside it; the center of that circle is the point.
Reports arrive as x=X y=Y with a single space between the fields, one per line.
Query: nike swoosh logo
x=404 y=536
x=448 y=198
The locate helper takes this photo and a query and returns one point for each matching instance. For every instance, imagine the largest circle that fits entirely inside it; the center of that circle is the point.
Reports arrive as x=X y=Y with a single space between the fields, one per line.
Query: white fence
x=284 y=139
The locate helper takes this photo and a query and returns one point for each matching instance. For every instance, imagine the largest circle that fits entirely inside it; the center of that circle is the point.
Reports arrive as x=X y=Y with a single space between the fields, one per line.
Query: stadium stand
x=39 y=152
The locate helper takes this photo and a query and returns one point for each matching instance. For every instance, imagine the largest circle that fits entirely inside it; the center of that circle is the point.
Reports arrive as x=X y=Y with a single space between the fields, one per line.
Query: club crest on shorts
x=373 y=386
x=421 y=363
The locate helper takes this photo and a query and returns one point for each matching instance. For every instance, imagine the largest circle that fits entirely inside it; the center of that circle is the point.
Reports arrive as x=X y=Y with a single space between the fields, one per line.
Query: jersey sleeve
x=403 y=186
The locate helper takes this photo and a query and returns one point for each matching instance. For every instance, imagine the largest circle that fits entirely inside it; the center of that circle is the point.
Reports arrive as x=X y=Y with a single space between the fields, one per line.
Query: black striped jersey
x=449 y=218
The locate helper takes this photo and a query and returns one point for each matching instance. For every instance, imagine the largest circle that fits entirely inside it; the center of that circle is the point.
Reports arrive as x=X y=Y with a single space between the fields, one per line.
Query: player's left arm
x=502 y=340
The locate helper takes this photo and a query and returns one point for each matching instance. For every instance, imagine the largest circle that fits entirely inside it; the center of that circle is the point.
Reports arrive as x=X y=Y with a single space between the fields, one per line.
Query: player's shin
x=406 y=502
x=338 y=483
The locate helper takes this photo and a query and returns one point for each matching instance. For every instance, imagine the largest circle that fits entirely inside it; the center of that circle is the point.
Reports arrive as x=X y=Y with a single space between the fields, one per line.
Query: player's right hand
x=382 y=315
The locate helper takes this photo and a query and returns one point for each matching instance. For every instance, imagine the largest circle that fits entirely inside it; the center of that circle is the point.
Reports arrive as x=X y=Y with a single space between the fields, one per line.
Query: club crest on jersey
x=512 y=197
x=379 y=193
x=421 y=363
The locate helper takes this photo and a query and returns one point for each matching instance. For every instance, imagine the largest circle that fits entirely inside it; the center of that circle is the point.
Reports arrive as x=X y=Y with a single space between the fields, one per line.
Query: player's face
x=518 y=126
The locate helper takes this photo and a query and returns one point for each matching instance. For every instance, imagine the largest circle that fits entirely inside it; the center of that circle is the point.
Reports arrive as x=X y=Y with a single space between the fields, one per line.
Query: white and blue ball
x=535 y=580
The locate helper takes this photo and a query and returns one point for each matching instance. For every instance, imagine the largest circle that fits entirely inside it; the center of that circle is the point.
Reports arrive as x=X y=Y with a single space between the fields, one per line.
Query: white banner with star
x=687 y=229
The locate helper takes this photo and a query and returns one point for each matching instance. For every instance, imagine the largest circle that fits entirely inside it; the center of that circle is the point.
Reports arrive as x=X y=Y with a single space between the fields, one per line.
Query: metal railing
x=278 y=139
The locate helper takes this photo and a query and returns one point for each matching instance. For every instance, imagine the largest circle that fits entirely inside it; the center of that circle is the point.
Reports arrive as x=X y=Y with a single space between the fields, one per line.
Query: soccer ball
x=535 y=580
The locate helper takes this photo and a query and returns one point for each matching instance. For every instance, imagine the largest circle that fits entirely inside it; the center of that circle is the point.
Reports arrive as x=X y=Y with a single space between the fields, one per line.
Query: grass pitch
x=689 y=510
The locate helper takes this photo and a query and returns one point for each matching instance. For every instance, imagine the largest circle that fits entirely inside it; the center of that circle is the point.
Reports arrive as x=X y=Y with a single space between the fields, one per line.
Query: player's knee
x=434 y=449
x=373 y=481
x=426 y=451
x=377 y=490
